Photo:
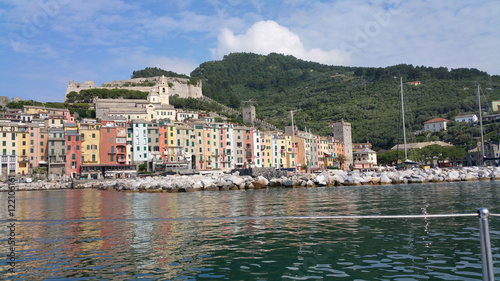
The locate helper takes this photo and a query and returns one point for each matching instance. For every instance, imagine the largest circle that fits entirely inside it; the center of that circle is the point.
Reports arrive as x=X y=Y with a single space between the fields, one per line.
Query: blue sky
x=46 y=43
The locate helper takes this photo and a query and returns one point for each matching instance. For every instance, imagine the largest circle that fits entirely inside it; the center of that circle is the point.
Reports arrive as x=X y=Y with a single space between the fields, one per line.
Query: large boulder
x=452 y=176
x=320 y=180
x=262 y=183
x=235 y=179
x=263 y=180
x=384 y=179
x=353 y=180
x=209 y=184
x=276 y=182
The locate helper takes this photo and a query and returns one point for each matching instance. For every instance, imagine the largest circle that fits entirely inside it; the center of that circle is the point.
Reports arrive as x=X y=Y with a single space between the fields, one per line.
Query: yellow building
x=90 y=131
x=290 y=153
x=266 y=149
x=207 y=146
x=23 y=148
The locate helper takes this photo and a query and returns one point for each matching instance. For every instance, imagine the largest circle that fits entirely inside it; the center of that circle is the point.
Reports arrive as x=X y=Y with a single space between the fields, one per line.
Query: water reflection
x=254 y=249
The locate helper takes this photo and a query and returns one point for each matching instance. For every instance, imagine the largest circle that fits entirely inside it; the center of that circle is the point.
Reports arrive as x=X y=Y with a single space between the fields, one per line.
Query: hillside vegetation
x=369 y=98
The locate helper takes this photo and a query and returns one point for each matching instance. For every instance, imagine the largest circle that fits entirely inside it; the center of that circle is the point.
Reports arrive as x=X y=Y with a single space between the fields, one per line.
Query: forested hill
x=369 y=98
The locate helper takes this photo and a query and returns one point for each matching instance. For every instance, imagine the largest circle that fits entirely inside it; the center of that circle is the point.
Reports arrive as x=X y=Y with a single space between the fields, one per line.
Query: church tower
x=163 y=90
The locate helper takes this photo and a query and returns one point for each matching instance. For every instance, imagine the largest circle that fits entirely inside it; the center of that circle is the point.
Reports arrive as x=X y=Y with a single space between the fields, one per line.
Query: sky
x=46 y=43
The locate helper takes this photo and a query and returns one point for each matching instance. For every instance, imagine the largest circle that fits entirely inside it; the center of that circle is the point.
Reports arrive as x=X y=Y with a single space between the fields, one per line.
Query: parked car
x=28 y=180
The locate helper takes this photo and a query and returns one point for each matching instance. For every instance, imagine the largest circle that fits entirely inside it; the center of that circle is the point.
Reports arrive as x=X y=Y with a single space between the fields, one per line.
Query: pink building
x=73 y=153
x=248 y=146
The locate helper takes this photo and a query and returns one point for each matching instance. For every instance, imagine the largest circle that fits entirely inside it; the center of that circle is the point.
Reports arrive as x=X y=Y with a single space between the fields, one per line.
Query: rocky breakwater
x=43 y=185
x=328 y=178
x=177 y=183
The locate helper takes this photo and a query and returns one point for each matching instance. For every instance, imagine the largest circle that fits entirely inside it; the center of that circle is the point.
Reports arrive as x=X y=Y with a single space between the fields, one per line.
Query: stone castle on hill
x=157 y=104
x=175 y=86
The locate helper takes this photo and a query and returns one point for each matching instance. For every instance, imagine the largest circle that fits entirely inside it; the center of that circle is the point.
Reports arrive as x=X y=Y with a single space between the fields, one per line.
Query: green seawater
x=109 y=235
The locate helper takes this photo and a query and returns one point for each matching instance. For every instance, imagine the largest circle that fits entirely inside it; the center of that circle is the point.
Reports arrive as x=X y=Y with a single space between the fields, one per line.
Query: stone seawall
x=235 y=181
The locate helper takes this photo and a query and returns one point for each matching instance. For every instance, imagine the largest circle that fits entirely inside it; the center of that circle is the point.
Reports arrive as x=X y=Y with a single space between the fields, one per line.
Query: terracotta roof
x=436 y=120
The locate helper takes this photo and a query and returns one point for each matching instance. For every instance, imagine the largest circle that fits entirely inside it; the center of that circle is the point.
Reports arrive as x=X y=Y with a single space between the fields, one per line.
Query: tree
x=142 y=167
x=359 y=71
x=341 y=159
x=234 y=101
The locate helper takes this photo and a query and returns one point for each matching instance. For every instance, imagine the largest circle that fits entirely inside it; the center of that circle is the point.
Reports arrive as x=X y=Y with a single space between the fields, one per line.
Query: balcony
x=23 y=159
x=112 y=152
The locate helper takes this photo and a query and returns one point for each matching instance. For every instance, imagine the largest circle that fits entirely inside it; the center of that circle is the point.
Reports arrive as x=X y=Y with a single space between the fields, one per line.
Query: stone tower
x=342 y=133
x=249 y=114
x=163 y=90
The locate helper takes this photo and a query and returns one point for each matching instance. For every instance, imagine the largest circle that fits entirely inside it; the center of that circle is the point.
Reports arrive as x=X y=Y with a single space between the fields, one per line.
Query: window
x=111 y=140
x=77 y=147
x=69 y=147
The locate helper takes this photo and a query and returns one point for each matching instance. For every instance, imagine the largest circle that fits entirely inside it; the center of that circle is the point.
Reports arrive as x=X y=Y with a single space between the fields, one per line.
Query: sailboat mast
x=403 y=116
x=481 y=126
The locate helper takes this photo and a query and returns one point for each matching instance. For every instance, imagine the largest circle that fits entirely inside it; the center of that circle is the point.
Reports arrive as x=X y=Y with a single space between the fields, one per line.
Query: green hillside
x=369 y=98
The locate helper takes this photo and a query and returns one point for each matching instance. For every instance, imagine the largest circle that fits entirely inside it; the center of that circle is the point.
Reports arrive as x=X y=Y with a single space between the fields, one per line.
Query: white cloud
x=266 y=37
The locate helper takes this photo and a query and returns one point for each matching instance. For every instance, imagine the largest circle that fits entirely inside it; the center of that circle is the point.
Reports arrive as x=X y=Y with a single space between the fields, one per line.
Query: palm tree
x=341 y=160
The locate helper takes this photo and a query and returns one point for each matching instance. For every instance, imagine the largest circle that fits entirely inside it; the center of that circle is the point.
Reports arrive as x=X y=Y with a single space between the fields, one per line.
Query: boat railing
x=482 y=214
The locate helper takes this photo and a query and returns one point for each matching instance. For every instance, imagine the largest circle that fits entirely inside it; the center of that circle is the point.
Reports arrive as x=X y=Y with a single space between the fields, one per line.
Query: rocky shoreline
x=176 y=183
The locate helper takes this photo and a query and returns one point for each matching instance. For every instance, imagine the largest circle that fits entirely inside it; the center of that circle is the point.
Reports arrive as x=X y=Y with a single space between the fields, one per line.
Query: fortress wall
x=185 y=90
x=180 y=86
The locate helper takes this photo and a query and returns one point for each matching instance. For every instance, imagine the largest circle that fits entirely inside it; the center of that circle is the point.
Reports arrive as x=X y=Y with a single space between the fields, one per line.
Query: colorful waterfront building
x=154 y=157
x=89 y=131
x=56 y=152
x=73 y=152
x=113 y=147
x=23 y=148
x=9 y=146
x=163 y=138
x=248 y=147
x=140 y=153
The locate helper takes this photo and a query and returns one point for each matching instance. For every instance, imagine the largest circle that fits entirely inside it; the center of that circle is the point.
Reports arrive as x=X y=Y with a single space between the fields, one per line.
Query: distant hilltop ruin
x=183 y=87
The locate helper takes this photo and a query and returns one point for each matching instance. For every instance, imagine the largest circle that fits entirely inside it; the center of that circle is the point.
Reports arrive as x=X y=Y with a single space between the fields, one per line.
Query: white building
x=472 y=118
x=257 y=153
x=435 y=125
x=365 y=158
x=139 y=149
x=276 y=151
x=183 y=115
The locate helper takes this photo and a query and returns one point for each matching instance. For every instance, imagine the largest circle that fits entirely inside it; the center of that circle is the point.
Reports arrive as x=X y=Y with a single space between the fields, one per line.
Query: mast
x=293 y=137
x=481 y=160
x=403 y=116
